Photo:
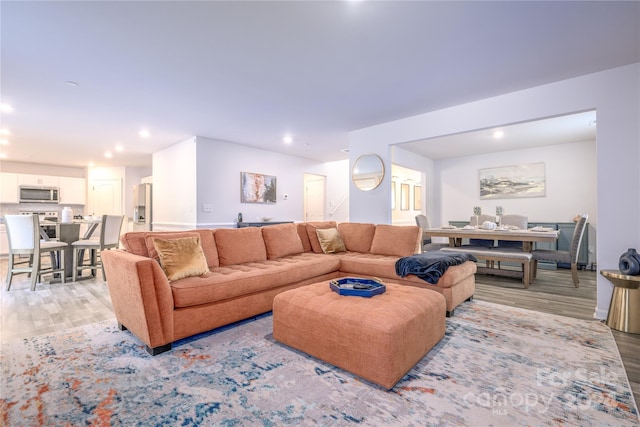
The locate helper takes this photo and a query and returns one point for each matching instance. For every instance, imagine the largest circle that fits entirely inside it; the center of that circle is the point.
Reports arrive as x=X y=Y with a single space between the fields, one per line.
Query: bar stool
x=23 y=232
x=109 y=238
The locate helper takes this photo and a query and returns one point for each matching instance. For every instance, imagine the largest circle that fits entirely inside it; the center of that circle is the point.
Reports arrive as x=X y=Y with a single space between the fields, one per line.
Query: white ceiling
x=251 y=72
x=576 y=127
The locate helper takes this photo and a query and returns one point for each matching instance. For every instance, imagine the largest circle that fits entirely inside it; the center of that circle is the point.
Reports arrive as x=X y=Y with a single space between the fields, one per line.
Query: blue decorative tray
x=355 y=286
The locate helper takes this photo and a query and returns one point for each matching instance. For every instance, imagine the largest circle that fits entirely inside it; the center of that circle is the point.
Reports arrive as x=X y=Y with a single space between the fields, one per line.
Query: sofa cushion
x=207 y=243
x=233 y=281
x=330 y=240
x=396 y=240
x=282 y=240
x=240 y=245
x=313 y=237
x=181 y=257
x=357 y=237
x=134 y=242
x=304 y=237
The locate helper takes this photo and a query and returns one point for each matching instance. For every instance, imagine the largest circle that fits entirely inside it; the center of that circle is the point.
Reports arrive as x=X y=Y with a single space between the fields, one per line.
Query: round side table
x=624 y=309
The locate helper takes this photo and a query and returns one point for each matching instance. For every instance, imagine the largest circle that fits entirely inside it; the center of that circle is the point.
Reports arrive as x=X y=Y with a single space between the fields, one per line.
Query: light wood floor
x=59 y=306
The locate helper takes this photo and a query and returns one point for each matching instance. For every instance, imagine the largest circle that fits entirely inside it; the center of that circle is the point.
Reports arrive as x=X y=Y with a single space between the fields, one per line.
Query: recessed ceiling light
x=4 y=132
x=287 y=139
x=144 y=133
x=6 y=108
x=498 y=134
x=4 y=141
x=91 y=164
x=3 y=156
x=72 y=83
x=119 y=148
x=108 y=155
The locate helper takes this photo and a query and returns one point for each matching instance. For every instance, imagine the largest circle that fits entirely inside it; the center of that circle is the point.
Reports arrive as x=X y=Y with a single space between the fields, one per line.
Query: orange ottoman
x=379 y=338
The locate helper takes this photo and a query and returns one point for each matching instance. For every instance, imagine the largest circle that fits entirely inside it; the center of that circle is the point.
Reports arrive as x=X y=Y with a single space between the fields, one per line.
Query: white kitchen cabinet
x=8 y=187
x=38 y=180
x=73 y=191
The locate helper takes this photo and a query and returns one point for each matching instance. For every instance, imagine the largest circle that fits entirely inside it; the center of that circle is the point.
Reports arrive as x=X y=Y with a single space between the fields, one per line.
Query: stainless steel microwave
x=31 y=194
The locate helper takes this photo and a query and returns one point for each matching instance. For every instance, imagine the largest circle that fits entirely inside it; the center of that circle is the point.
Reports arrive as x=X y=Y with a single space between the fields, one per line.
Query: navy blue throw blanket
x=430 y=266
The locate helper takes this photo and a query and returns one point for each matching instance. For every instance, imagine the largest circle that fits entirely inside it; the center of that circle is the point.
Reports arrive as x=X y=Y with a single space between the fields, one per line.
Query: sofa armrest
x=141 y=296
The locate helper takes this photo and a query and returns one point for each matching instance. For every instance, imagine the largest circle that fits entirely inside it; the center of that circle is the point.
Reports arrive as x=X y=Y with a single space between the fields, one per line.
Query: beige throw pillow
x=330 y=240
x=182 y=257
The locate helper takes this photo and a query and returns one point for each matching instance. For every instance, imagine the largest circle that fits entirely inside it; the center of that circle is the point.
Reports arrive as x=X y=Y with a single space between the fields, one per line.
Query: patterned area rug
x=496 y=366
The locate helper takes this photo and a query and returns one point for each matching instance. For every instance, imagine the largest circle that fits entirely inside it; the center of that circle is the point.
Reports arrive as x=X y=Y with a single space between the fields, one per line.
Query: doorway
x=106 y=197
x=406 y=195
x=315 y=194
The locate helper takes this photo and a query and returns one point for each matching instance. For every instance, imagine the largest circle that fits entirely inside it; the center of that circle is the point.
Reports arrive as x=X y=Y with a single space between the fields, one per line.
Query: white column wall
x=174 y=187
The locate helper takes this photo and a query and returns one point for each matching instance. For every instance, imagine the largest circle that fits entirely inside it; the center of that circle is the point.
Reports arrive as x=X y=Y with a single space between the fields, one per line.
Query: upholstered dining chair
x=23 y=232
x=570 y=256
x=520 y=221
x=426 y=244
x=109 y=238
x=478 y=220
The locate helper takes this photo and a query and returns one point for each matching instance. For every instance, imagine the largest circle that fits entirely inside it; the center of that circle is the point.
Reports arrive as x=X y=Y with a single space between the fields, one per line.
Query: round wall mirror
x=367 y=172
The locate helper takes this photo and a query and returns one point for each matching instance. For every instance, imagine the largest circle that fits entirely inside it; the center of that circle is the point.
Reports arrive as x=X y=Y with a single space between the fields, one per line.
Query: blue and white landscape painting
x=508 y=182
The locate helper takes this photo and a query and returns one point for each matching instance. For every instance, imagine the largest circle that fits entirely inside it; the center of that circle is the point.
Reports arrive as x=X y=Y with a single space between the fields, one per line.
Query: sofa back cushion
x=207 y=242
x=240 y=245
x=357 y=236
x=304 y=237
x=281 y=240
x=134 y=242
x=313 y=237
x=396 y=240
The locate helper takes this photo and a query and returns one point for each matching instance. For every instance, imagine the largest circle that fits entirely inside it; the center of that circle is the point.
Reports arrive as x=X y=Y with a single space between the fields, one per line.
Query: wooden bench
x=489 y=254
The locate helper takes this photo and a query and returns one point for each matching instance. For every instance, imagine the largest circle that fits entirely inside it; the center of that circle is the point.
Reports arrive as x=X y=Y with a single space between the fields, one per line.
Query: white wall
x=203 y=171
x=570 y=171
x=174 y=189
x=614 y=94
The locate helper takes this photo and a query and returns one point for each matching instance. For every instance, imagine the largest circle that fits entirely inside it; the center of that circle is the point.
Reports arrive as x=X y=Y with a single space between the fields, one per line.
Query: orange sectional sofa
x=245 y=268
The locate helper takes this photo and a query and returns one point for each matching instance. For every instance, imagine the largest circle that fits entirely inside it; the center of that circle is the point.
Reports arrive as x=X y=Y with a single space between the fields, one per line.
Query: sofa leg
x=470 y=298
x=450 y=313
x=158 y=350
x=121 y=327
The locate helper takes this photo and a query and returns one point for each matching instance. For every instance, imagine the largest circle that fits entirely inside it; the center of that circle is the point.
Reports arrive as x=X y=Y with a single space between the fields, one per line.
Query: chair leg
x=9 y=271
x=104 y=275
x=63 y=275
x=74 y=265
x=526 y=274
x=534 y=268
x=35 y=273
x=574 y=274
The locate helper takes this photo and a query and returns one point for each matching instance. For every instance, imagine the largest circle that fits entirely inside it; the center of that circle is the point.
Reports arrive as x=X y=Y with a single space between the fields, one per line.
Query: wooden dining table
x=527 y=237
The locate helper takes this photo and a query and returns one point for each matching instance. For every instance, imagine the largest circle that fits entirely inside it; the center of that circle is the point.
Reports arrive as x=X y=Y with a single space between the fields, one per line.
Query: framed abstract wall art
x=509 y=182
x=257 y=188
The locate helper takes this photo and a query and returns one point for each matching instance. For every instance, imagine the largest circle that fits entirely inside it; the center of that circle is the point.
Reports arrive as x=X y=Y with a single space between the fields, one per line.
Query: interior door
x=314 y=197
x=106 y=197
